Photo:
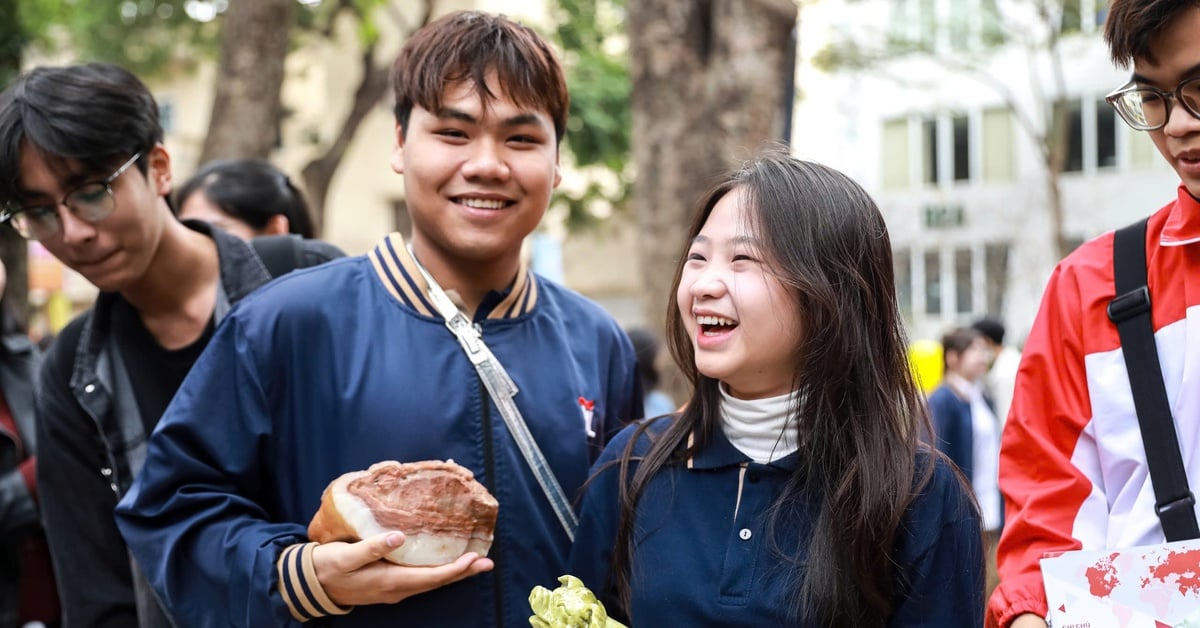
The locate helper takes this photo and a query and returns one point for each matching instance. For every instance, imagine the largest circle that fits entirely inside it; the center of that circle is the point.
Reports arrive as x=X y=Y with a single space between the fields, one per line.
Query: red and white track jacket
x=1072 y=465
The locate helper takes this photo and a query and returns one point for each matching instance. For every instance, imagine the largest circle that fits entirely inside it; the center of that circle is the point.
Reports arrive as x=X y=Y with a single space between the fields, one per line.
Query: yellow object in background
x=58 y=311
x=925 y=361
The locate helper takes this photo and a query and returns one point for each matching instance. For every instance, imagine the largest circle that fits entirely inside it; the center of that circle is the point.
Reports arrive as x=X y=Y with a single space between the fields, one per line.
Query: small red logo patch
x=587 y=407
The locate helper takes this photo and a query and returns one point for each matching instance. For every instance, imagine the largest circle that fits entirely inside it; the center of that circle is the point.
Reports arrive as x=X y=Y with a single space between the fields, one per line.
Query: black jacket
x=93 y=442
x=18 y=512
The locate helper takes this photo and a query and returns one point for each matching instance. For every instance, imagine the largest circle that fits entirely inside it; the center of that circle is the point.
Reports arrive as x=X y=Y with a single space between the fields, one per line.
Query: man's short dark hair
x=957 y=341
x=991 y=328
x=95 y=114
x=1132 y=24
x=469 y=45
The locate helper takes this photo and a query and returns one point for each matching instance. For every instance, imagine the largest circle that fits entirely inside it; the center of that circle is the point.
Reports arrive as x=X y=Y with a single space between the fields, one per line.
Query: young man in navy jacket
x=331 y=370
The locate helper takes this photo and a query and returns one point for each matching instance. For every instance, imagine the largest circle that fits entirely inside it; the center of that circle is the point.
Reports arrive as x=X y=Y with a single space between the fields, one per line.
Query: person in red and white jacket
x=1072 y=464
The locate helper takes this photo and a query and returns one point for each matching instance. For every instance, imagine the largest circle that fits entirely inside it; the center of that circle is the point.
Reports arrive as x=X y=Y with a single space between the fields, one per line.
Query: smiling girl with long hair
x=793 y=488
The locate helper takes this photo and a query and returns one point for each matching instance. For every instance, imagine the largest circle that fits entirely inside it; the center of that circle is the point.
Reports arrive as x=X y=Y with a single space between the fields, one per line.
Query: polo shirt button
x=744 y=534
x=753 y=477
x=89 y=388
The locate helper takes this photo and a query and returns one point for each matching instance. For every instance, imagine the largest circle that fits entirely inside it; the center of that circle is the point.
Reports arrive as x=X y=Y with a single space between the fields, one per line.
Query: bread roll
x=441 y=509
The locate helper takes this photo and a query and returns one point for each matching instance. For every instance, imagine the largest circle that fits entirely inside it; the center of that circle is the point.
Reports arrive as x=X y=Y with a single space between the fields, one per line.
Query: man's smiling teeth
x=482 y=203
x=714 y=320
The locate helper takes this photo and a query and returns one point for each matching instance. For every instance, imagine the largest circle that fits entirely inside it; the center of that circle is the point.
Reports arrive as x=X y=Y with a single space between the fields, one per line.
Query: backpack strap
x=281 y=254
x=1130 y=311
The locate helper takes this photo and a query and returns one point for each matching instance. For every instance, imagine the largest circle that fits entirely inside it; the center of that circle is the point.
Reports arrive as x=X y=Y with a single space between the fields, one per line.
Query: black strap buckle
x=1187 y=500
x=1129 y=305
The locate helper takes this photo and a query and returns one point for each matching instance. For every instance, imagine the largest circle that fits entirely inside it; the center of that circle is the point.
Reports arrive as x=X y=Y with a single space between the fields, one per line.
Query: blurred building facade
x=944 y=140
x=938 y=139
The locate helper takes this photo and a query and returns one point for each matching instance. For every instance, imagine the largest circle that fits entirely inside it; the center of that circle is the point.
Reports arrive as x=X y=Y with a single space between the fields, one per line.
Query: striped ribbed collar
x=398 y=272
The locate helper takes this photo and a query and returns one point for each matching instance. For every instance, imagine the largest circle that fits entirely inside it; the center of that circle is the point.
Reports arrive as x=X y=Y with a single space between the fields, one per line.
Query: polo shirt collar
x=719 y=453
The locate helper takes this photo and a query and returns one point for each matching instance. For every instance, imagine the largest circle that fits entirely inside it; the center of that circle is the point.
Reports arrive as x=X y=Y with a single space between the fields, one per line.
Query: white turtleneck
x=759 y=427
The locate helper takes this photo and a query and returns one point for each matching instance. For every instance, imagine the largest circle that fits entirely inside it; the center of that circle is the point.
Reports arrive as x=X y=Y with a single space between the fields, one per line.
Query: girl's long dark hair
x=859 y=413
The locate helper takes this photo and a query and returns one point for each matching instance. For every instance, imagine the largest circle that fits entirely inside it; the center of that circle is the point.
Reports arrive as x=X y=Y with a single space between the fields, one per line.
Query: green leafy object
x=571 y=605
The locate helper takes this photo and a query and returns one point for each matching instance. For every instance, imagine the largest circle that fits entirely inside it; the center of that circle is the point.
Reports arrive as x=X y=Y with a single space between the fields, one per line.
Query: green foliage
x=149 y=37
x=12 y=40
x=591 y=35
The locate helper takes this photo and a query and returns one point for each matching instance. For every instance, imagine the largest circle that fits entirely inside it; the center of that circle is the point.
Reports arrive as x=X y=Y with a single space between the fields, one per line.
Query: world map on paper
x=1155 y=586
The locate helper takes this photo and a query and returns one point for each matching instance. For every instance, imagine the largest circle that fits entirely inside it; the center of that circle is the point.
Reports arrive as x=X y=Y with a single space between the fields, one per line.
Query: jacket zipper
x=489 y=456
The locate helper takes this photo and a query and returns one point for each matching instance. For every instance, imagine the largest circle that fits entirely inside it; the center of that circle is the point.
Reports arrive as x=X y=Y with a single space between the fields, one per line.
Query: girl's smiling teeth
x=481 y=203
x=713 y=325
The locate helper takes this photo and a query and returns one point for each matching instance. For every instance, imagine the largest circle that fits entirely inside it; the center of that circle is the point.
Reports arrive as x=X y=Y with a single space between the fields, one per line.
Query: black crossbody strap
x=1130 y=311
x=281 y=254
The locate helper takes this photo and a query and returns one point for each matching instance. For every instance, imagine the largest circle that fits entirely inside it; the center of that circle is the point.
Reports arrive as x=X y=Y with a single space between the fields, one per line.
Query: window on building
x=903 y=271
x=1106 y=135
x=962 y=148
x=952 y=281
x=997 y=143
x=933 y=282
x=1091 y=135
x=954 y=163
x=927 y=21
x=1074 y=137
x=991 y=31
x=996 y=275
x=895 y=153
x=960 y=24
x=929 y=139
x=963 y=293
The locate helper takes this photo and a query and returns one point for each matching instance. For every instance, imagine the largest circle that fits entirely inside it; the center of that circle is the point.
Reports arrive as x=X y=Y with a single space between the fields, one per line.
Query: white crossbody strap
x=502 y=390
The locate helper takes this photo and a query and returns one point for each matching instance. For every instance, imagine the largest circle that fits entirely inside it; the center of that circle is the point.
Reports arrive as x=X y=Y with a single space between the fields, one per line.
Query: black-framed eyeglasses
x=1148 y=108
x=91 y=202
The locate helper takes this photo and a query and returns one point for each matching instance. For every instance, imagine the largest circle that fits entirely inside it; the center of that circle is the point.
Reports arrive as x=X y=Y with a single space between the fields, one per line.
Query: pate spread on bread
x=439 y=506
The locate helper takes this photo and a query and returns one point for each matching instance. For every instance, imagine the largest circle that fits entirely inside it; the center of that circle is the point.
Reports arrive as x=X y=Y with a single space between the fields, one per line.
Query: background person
x=1002 y=373
x=966 y=428
x=246 y=197
x=646 y=345
x=27 y=592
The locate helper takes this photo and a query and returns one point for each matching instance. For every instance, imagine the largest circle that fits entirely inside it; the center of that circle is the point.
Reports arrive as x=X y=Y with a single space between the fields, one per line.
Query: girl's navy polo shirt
x=702 y=556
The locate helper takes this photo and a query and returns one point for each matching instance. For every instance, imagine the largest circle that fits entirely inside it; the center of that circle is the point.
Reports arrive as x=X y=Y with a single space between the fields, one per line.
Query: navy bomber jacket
x=332 y=369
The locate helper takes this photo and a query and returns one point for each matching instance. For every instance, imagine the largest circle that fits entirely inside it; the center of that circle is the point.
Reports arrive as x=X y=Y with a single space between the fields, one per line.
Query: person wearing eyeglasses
x=86 y=174
x=1073 y=466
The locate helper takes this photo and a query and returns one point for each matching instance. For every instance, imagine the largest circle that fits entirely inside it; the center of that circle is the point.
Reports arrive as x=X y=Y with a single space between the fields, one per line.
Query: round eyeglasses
x=1148 y=108
x=91 y=202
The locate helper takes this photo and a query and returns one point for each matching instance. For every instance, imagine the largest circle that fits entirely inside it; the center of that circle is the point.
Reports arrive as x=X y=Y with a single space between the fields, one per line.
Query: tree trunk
x=318 y=174
x=14 y=251
x=708 y=78
x=246 y=109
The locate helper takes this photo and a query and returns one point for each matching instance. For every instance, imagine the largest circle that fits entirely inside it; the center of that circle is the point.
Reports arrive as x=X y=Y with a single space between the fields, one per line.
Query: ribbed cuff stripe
x=312 y=586
x=299 y=587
